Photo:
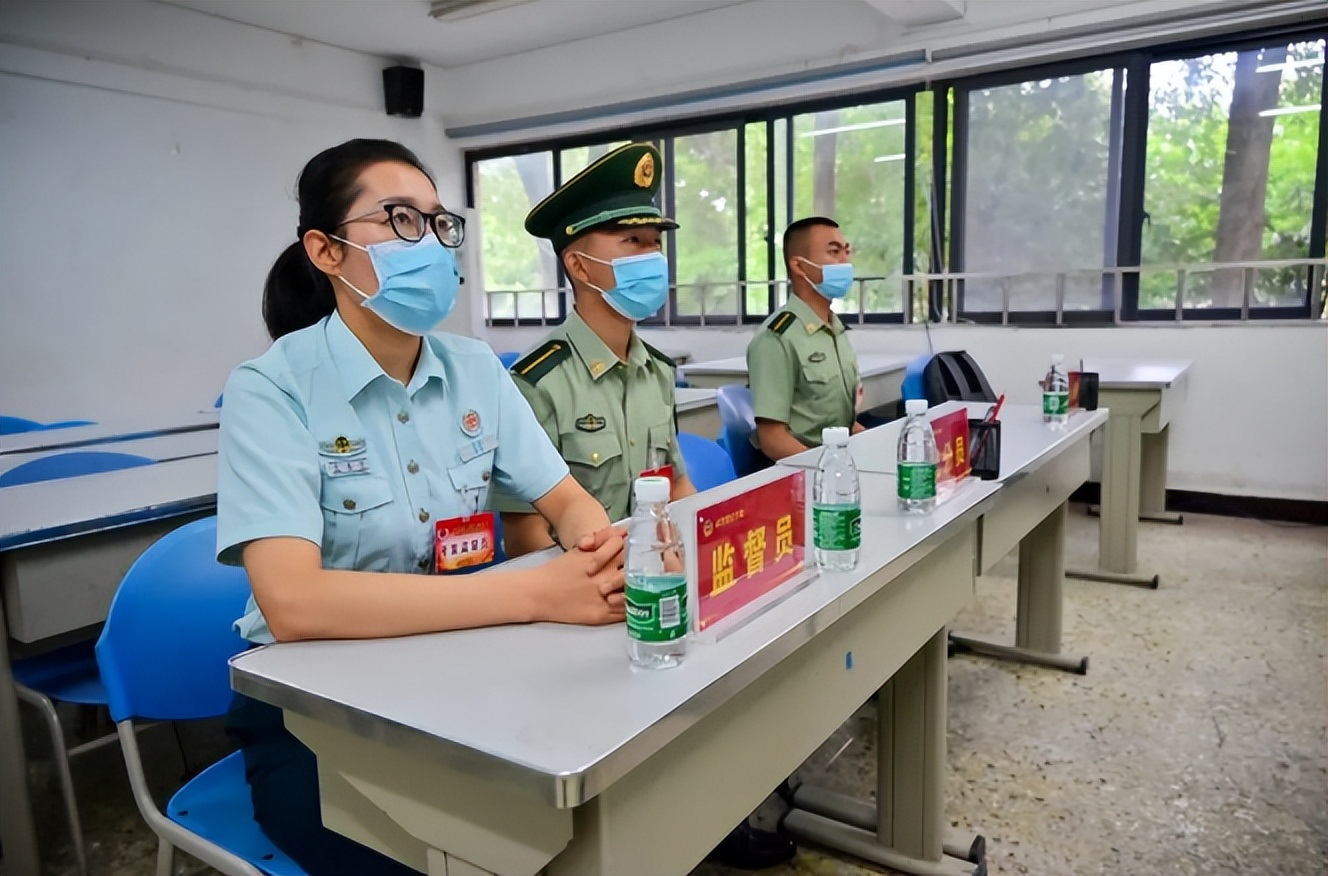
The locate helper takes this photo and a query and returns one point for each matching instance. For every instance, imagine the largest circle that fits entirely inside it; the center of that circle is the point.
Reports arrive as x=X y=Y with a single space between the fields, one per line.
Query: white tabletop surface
x=51 y=510
x=558 y=710
x=101 y=433
x=174 y=445
x=1026 y=442
x=869 y=365
x=686 y=398
x=1137 y=373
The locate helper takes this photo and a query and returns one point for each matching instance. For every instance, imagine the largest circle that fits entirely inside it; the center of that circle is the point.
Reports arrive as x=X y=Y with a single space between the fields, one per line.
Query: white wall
x=1255 y=420
x=148 y=157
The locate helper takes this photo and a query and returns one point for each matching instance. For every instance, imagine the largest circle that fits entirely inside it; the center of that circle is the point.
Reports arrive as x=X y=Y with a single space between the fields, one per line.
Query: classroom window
x=848 y=164
x=1039 y=193
x=519 y=270
x=704 y=182
x=757 y=298
x=1230 y=172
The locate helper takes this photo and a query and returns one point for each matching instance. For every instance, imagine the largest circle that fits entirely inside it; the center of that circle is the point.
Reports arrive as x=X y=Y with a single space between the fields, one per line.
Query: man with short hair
x=802 y=370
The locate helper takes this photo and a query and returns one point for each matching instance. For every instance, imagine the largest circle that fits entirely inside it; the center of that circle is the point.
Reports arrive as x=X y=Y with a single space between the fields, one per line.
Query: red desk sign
x=951 y=433
x=748 y=545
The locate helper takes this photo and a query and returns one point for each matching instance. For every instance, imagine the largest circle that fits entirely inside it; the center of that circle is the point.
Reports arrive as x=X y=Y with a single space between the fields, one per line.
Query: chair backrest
x=739 y=422
x=708 y=464
x=170 y=631
x=15 y=425
x=913 y=386
x=951 y=376
x=70 y=465
x=508 y=359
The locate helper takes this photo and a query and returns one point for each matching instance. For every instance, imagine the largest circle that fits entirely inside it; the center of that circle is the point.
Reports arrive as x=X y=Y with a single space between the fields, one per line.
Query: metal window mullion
x=740 y=150
x=910 y=184
x=958 y=199
x=670 y=207
x=1134 y=138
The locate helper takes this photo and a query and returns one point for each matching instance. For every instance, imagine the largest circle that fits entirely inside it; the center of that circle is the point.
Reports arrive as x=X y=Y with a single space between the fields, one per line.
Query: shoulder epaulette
x=782 y=321
x=540 y=361
x=658 y=354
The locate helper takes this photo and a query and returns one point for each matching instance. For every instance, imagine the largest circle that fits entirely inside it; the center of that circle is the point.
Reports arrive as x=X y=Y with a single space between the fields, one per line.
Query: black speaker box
x=403 y=91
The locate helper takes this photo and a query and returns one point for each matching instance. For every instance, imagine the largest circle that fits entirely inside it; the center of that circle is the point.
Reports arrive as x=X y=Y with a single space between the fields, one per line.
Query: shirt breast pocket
x=660 y=446
x=471 y=480
x=595 y=460
x=820 y=373
x=357 y=531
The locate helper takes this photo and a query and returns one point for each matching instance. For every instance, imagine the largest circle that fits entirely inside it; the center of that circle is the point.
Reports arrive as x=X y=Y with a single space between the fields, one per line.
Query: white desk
x=882 y=375
x=157 y=447
x=97 y=434
x=698 y=411
x=64 y=546
x=1040 y=469
x=1143 y=395
x=538 y=748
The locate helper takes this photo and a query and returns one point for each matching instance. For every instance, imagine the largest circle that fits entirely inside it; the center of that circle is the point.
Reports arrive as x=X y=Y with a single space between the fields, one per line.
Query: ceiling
x=404 y=30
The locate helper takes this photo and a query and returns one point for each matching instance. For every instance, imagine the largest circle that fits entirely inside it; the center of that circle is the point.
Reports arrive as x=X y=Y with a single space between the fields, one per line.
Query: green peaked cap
x=617 y=191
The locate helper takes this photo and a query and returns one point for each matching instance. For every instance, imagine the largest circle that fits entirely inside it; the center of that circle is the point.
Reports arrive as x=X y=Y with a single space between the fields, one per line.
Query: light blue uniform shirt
x=317 y=442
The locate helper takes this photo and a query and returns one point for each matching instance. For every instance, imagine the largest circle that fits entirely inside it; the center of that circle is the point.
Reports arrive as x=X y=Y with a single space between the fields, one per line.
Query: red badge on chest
x=460 y=542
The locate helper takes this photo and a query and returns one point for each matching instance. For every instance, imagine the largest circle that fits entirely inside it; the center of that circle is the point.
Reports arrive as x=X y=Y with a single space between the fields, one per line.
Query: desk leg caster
x=1151 y=582
x=965 y=644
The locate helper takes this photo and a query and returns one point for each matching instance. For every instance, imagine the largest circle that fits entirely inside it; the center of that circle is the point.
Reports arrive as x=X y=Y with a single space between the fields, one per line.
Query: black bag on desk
x=954 y=376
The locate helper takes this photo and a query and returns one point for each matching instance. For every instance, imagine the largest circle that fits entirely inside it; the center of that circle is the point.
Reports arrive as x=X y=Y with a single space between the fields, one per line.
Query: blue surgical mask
x=836 y=279
x=641 y=284
x=417 y=283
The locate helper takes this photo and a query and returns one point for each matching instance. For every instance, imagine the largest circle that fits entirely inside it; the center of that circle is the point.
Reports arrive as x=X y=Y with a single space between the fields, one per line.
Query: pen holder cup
x=1083 y=390
x=984 y=441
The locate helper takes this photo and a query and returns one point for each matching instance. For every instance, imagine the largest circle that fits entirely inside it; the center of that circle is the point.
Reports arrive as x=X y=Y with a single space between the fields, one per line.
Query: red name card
x=951 y=433
x=749 y=545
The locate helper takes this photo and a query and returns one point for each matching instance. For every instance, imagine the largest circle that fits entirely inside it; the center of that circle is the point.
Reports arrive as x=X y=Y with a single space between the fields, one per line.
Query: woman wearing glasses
x=356 y=432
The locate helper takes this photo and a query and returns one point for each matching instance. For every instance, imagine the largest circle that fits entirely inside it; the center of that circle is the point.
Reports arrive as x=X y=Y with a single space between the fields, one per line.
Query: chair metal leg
x=60 y=757
x=165 y=857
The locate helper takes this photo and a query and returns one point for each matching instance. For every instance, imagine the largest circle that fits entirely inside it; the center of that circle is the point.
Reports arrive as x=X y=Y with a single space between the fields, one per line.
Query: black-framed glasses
x=411 y=224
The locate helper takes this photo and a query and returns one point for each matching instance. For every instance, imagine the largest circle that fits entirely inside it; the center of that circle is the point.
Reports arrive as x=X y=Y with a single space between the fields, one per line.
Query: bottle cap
x=915 y=406
x=834 y=436
x=650 y=491
x=1057 y=358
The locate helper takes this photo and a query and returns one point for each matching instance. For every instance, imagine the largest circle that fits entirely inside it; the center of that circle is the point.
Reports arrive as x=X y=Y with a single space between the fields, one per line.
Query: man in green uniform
x=803 y=372
x=603 y=395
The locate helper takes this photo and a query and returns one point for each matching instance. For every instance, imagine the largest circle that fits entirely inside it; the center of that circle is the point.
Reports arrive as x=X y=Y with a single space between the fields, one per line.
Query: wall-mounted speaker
x=403 y=91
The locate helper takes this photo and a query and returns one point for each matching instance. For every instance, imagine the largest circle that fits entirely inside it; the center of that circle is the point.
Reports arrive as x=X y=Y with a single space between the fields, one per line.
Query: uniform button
x=423 y=564
x=348 y=504
x=403 y=417
x=486 y=476
x=594 y=457
x=424 y=516
x=413 y=467
x=632 y=442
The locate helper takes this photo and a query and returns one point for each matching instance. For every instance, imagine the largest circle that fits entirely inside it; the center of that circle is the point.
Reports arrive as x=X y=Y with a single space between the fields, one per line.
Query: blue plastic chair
x=163 y=655
x=708 y=464
x=69 y=674
x=508 y=359
x=217 y=403
x=69 y=465
x=65 y=424
x=17 y=425
x=739 y=422
x=913 y=386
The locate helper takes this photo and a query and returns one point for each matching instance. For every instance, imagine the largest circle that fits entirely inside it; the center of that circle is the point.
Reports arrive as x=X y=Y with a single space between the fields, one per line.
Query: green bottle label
x=837 y=527
x=1055 y=403
x=656 y=607
x=917 y=480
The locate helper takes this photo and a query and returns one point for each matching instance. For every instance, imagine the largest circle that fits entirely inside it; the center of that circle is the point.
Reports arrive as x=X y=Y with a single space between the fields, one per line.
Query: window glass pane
x=1232 y=152
x=1037 y=190
x=514 y=262
x=849 y=166
x=757 y=298
x=705 y=192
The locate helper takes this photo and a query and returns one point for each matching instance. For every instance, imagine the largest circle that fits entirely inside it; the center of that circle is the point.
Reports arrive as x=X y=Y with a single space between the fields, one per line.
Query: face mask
x=835 y=279
x=417 y=283
x=641 y=284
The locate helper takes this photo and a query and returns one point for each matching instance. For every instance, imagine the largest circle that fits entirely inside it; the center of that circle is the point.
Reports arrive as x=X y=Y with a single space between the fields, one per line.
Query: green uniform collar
x=595 y=355
x=811 y=320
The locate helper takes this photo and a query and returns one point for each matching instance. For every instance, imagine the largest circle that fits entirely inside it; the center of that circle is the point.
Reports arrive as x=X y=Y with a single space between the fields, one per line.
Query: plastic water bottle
x=1056 y=395
x=836 y=504
x=917 y=461
x=656 y=591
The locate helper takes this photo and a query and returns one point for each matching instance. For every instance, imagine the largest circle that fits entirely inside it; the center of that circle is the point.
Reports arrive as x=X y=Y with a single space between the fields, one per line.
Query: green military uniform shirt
x=609 y=419
x=803 y=372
